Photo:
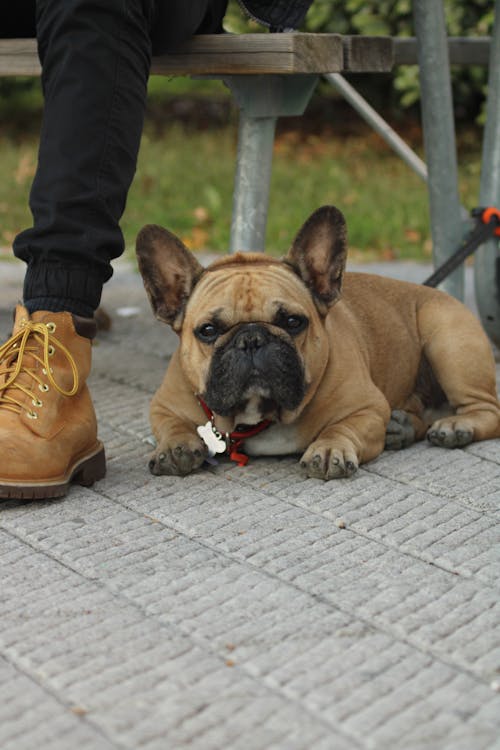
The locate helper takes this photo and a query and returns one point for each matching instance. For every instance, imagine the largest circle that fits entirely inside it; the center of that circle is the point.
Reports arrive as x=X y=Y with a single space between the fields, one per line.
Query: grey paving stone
x=459 y=474
x=31 y=716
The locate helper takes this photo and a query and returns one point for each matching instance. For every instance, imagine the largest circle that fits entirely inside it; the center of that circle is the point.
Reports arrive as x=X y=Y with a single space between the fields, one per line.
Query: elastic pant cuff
x=56 y=287
x=57 y=304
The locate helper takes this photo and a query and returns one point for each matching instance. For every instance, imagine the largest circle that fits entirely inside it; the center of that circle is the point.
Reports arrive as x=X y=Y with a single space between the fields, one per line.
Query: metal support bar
x=261 y=99
x=439 y=136
x=252 y=183
x=378 y=124
x=372 y=117
x=486 y=266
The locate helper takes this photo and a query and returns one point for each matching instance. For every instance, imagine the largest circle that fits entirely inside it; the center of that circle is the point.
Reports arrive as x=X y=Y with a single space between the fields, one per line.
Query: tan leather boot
x=48 y=428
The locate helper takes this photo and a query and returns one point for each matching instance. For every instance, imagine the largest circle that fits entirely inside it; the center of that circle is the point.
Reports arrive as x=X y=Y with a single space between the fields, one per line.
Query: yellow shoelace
x=12 y=356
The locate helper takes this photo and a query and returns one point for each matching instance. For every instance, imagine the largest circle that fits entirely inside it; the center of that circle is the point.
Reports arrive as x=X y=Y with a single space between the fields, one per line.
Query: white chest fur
x=277 y=440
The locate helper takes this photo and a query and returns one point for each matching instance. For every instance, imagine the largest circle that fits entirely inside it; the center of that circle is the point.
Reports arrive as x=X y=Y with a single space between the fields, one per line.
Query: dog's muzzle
x=255 y=362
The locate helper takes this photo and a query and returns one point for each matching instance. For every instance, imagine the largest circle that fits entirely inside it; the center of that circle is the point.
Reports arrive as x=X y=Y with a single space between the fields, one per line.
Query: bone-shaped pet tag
x=212 y=439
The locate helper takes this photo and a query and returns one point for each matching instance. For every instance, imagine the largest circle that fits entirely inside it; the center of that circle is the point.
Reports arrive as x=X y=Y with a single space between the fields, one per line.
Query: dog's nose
x=251 y=337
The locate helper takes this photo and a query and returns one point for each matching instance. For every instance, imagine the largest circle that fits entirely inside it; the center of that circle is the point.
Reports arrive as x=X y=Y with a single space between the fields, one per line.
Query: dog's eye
x=207 y=333
x=294 y=324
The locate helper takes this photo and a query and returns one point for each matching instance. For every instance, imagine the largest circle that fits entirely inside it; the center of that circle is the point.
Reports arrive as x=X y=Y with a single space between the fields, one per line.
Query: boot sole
x=85 y=472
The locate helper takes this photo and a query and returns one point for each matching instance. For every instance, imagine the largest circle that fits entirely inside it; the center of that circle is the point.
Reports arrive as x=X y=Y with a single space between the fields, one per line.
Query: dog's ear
x=318 y=254
x=169 y=271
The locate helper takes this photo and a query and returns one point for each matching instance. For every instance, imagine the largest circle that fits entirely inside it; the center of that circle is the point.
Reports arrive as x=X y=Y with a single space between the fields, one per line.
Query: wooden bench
x=269 y=75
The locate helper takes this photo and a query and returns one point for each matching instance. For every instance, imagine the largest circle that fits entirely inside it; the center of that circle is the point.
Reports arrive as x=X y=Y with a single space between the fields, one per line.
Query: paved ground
x=251 y=608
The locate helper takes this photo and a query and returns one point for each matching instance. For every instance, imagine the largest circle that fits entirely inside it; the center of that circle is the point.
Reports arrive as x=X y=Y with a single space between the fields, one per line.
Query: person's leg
x=176 y=20
x=95 y=58
x=95 y=61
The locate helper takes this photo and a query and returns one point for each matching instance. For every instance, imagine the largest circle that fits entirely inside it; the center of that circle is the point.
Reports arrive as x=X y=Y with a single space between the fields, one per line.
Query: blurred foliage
x=15 y=92
x=394 y=18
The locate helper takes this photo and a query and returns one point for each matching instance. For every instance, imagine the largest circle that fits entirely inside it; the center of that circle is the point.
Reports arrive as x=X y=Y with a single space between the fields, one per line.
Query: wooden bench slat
x=19 y=57
x=226 y=54
x=368 y=54
x=214 y=55
x=254 y=54
x=244 y=54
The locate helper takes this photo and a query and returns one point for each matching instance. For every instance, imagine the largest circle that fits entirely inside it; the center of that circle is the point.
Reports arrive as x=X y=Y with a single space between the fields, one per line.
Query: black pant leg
x=95 y=57
x=176 y=20
x=95 y=60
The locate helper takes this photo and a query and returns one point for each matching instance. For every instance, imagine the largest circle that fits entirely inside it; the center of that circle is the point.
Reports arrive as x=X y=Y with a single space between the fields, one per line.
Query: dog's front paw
x=323 y=461
x=451 y=432
x=178 y=459
x=400 y=431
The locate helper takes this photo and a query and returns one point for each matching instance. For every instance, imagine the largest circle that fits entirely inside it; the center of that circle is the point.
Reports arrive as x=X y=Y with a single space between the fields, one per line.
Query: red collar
x=234 y=440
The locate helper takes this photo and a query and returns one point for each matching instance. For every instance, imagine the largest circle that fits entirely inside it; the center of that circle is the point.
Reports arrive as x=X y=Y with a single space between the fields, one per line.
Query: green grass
x=184 y=181
x=186 y=184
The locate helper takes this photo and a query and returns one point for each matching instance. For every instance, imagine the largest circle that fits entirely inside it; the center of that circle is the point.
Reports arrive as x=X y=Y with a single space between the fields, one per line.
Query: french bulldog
x=296 y=356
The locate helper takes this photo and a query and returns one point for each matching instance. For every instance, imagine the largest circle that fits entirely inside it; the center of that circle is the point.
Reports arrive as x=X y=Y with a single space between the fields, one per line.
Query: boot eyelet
x=51 y=351
x=32 y=415
x=45 y=371
x=51 y=327
x=43 y=387
x=37 y=402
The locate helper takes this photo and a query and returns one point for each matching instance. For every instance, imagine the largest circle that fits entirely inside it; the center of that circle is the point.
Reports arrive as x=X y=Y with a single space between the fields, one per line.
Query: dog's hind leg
x=461 y=359
x=407 y=425
x=400 y=431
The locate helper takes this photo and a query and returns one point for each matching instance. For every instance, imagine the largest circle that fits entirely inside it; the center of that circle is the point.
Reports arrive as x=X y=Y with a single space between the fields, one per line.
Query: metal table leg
x=486 y=265
x=252 y=182
x=439 y=136
x=261 y=99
